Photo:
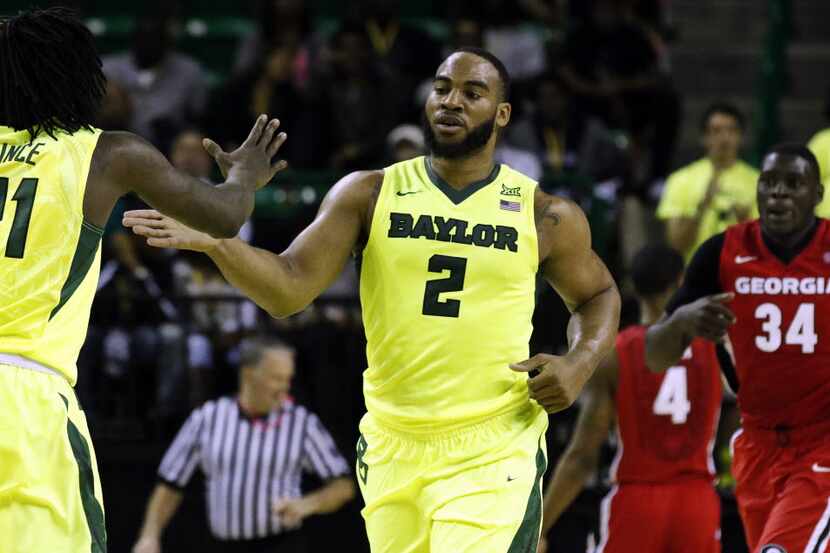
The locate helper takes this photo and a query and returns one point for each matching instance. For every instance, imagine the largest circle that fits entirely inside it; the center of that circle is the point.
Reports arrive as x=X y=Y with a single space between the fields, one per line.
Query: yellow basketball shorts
x=477 y=489
x=50 y=492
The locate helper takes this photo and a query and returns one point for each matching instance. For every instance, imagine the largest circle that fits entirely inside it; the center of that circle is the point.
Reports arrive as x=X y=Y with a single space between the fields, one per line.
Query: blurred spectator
x=703 y=198
x=820 y=146
x=562 y=139
x=361 y=101
x=187 y=154
x=267 y=87
x=167 y=89
x=612 y=68
x=286 y=22
x=521 y=160
x=116 y=110
x=252 y=438
x=502 y=28
x=405 y=142
x=407 y=50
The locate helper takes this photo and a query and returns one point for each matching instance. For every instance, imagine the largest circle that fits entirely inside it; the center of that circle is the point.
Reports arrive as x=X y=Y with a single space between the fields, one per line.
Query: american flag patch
x=510 y=206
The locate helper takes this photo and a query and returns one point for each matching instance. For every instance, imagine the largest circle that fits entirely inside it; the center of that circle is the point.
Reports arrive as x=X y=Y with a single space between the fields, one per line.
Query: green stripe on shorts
x=92 y=509
x=527 y=536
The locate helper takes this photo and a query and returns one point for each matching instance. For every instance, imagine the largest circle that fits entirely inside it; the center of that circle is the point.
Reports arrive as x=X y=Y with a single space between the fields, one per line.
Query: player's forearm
x=569 y=478
x=332 y=496
x=592 y=328
x=265 y=277
x=665 y=343
x=160 y=509
x=217 y=210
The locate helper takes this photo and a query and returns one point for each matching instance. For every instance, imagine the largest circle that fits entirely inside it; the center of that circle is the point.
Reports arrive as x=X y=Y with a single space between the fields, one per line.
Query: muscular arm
x=286 y=283
x=160 y=509
x=581 y=458
x=579 y=276
x=123 y=162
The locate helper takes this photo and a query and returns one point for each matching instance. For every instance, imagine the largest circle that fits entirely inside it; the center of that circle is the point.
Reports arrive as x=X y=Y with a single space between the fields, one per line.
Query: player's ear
x=503 y=112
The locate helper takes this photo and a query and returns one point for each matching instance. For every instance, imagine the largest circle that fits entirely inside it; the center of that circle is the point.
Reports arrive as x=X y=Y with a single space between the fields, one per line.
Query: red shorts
x=783 y=489
x=682 y=517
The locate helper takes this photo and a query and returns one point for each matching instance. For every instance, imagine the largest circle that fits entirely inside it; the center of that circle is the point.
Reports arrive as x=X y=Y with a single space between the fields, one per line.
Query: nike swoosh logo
x=511 y=478
x=819 y=468
x=741 y=259
x=407 y=193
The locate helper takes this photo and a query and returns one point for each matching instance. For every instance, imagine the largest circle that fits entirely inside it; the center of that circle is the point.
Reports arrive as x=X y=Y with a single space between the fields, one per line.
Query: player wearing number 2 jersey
x=764 y=285
x=663 y=472
x=59 y=178
x=452 y=447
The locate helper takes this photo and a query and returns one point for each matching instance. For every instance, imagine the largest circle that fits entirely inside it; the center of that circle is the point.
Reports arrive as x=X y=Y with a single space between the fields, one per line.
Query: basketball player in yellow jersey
x=452 y=448
x=59 y=179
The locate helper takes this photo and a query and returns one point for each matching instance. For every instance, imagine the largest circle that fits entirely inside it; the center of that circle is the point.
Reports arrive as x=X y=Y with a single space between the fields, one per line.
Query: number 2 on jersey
x=24 y=197
x=457 y=266
x=673 y=398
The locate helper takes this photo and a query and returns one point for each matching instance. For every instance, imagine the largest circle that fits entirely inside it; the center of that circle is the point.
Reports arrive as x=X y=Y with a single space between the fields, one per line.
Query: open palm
x=163 y=232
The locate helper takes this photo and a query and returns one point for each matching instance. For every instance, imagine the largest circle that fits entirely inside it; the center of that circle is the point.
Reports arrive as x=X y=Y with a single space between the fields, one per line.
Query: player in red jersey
x=662 y=500
x=763 y=285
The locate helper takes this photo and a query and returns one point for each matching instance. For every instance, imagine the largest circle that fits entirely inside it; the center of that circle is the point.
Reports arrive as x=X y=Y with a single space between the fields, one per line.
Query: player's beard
x=475 y=140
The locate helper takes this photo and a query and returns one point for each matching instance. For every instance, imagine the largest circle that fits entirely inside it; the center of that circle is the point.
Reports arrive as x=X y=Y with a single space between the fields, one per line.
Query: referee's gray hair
x=252 y=348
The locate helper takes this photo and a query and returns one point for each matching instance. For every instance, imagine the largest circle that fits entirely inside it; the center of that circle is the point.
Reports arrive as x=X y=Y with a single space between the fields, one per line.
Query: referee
x=252 y=449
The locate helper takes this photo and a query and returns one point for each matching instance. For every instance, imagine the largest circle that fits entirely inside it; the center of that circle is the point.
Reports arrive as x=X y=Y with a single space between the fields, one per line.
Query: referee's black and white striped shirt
x=248 y=463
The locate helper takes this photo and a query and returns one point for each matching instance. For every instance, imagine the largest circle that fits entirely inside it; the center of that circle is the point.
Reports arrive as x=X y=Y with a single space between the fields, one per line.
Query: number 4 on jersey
x=673 y=399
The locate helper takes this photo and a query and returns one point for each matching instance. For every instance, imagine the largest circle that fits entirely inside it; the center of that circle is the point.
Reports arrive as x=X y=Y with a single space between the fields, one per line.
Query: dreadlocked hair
x=50 y=72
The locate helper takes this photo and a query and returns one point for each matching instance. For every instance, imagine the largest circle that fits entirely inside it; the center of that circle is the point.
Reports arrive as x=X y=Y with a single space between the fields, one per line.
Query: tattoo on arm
x=544 y=212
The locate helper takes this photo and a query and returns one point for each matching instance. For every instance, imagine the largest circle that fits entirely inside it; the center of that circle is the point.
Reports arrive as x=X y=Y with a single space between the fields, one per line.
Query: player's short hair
x=50 y=73
x=655 y=268
x=504 y=75
x=796 y=149
x=253 y=348
x=724 y=108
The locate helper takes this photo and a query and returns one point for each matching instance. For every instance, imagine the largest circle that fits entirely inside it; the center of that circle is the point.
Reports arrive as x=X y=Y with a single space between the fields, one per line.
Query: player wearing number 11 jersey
x=766 y=286
x=59 y=178
x=452 y=447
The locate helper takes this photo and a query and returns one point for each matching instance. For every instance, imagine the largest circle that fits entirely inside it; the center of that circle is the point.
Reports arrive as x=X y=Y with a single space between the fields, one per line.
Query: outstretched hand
x=163 y=232
x=252 y=161
x=708 y=317
x=555 y=382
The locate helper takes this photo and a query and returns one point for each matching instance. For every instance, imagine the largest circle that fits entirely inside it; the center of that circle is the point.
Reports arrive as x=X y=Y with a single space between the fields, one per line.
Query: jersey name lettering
x=500 y=237
x=774 y=286
x=22 y=153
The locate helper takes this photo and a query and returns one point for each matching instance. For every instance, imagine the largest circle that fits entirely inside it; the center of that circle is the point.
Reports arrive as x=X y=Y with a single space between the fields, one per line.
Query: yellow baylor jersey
x=49 y=256
x=447 y=289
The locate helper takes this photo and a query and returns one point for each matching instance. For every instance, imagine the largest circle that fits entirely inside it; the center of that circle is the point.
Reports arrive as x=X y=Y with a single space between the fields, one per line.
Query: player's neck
x=788 y=246
x=462 y=172
x=651 y=311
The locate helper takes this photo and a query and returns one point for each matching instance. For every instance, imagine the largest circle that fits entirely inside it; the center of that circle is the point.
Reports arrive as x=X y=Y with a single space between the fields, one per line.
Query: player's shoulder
x=359 y=188
x=630 y=333
x=516 y=178
x=552 y=210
